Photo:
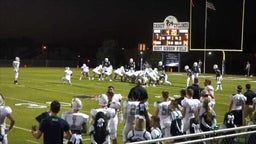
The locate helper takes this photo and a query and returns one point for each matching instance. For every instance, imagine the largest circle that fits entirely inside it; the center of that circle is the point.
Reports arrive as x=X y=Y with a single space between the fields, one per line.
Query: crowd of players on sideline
x=191 y=112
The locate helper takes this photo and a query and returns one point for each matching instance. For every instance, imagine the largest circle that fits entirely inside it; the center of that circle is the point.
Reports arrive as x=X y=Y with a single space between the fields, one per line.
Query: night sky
x=130 y=22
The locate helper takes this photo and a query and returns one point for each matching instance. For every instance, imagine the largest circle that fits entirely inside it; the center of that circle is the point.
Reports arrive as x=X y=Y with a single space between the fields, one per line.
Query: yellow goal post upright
x=223 y=50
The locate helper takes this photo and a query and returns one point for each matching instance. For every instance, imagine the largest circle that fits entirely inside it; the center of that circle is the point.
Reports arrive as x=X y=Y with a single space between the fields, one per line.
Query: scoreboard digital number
x=171 y=35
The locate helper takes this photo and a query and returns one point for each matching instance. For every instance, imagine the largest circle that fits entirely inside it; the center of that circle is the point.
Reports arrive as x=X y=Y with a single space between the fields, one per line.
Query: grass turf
x=39 y=86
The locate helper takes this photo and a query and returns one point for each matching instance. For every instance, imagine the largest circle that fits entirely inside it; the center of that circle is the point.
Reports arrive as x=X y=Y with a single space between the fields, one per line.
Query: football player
x=163 y=112
x=6 y=112
x=16 y=66
x=114 y=103
x=195 y=69
x=84 y=72
x=190 y=74
x=108 y=114
x=129 y=108
x=76 y=120
x=67 y=76
x=218 y=77
x=107 y=69
x=97 y=71
x=190 y=109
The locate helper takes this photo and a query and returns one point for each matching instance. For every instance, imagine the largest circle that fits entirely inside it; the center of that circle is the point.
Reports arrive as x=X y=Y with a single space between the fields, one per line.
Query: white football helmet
x=76 y=104
x=103 y=100
x=215 y=66
x=160 y=63
x=67 y=68
x=186 y=67
x=84 y=65
x=195 y=64
x=106 y=59
x=1 y=100
x=131 y=60
x=17 y=58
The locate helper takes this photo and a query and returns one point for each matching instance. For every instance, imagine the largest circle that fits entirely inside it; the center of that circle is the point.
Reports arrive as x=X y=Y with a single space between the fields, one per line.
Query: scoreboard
x=171 y=35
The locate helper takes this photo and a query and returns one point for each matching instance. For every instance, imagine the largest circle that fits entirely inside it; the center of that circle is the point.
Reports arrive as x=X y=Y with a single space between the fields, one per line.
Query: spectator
x=207 y=116
x=139 y=133
x=6 y=112
x=155 y=130
x=76 y=120
x=52 y=127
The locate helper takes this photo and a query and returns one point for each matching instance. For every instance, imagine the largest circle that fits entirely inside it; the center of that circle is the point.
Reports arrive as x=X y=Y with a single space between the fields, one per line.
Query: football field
x=39 y=86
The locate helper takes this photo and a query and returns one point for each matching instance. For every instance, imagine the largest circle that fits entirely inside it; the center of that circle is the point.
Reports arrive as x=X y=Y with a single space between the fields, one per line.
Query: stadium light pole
x=142 y=48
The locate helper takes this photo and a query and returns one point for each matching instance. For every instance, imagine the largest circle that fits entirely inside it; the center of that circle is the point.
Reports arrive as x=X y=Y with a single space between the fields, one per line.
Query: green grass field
x=39 y=86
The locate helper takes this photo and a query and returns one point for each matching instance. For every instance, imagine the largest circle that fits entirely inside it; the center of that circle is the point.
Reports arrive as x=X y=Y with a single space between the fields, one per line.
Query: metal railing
x=213 y=135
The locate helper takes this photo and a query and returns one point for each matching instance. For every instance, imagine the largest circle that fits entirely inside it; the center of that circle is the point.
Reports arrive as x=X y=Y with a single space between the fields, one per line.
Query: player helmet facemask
x=76 y=104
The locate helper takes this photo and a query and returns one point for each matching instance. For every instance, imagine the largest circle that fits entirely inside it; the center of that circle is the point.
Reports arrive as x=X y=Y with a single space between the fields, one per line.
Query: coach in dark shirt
x=53 y=127
x=138 y=92
x=248 y=109
x=196 y=88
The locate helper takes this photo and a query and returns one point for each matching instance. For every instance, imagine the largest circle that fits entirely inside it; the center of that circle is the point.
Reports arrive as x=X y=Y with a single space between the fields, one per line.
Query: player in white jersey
x=139 y=133
x=67 y=76
x=5 y=112
x=190 y=75
x=190 y=109
x=16 y=67
x=129 y=108
x=162 y=110
x=85 y=72
x=236 y=106
x=76 y=120
x=115 y=103
x=97 y=71
x=97 y=123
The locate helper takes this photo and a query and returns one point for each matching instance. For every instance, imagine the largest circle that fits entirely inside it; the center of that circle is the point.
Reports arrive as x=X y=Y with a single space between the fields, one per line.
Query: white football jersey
x=4 y=111
x=238 y=101
x=164 y=112
x=68 y=74
x=75 y=120
x=191 y=105
x=130 y=111
x=85 y=68
x=115 y=102
x=16 y=65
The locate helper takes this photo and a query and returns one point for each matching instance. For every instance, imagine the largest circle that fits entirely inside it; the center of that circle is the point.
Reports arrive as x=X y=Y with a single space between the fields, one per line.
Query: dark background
x=92 y=30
